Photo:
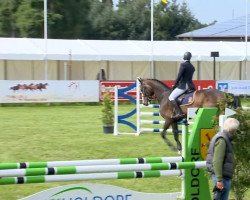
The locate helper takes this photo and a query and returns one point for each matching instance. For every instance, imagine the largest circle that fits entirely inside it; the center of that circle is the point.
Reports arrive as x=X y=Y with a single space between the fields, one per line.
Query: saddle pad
x=187 y=98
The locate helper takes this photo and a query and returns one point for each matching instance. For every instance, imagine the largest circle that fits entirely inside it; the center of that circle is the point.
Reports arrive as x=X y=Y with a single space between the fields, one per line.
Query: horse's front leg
x=163 y=134
x=176 y=136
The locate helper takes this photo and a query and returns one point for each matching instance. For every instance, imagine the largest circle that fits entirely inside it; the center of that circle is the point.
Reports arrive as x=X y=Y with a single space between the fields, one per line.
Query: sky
x=207 y=11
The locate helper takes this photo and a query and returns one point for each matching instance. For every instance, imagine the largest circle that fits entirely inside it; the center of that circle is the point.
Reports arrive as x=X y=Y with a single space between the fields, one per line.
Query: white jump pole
x=116 y=110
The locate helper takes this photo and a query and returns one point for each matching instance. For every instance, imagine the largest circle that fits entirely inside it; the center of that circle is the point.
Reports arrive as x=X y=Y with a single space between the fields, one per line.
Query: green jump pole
x=121 y=161
x=100 y=169
x=83 y=177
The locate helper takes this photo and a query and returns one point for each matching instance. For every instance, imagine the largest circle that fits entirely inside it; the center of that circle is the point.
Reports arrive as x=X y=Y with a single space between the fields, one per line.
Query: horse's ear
x=139 y=79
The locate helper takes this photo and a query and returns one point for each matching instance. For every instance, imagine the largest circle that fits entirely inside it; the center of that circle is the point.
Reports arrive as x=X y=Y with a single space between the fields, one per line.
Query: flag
x=164 y=1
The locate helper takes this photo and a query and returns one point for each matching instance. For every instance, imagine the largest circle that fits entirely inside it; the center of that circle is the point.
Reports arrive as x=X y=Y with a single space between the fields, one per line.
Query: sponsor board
x=237 y=87
x=108 y=86
x=32 y=91
x=90 y=191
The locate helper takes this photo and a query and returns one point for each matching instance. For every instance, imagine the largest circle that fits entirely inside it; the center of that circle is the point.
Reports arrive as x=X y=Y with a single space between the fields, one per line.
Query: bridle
x=145 y=95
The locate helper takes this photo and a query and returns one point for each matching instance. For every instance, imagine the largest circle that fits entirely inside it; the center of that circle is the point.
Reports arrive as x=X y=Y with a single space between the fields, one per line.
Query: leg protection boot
x=177 y=111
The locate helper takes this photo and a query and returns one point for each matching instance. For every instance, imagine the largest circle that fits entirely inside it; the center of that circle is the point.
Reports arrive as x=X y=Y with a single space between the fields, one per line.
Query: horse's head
x=146 y=91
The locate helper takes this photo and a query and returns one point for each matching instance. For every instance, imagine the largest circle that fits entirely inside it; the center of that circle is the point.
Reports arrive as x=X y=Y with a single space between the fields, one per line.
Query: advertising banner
x=237 y=87
x=108 y=86
x=32 y=91
x=97 y=192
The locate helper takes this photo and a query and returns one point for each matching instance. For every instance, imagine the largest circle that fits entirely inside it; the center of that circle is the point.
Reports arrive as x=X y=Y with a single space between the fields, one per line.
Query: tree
x=107 y=24
x=241 y=179
x=29 y=18
x=173 y=19
x=73 y=22
x=95 y=19
x=136 y=19
x=8 y=26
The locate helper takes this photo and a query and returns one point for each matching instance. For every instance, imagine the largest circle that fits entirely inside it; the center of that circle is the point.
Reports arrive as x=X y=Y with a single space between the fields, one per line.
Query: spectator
x=220 y=162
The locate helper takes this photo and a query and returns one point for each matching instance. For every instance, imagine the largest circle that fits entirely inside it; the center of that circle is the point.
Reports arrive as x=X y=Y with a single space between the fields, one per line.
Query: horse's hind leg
x=176 y=136
x=163 y=135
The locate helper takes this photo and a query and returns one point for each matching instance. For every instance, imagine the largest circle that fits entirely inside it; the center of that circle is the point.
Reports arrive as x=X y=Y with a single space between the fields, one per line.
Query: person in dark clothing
x=219 y=161
x=182 y=83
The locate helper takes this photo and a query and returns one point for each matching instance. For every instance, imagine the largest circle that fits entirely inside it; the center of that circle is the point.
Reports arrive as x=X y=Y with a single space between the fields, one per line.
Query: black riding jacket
x=185 y=76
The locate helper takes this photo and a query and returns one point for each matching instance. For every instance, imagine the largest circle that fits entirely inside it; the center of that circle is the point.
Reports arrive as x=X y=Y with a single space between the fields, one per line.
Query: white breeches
x=176 y=92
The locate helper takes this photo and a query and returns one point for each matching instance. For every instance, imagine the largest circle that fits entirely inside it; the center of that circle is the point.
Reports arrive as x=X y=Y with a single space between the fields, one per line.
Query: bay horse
x=202 y=98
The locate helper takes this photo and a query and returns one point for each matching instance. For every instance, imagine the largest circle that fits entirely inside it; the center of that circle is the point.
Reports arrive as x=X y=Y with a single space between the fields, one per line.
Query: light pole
x=152 y=40
x=214 y=54
x=45 y=41
x=246 y=37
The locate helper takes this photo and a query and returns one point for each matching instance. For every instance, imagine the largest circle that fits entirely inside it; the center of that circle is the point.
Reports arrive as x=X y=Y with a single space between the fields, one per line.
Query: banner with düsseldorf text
x=90 y=191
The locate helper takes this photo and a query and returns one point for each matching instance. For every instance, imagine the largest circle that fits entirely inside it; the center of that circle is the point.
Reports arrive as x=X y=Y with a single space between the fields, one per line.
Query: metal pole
x=152 y=41
x=246 y=37
x=65 y=65
x=45 y=40
x=214 y=70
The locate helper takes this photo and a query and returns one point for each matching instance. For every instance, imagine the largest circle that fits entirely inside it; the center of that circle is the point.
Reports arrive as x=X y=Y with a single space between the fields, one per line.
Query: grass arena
x=74 y=132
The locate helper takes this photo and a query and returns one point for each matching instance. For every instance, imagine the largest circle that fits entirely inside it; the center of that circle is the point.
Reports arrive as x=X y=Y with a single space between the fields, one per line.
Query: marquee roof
x=117 y=50
x=230 y=28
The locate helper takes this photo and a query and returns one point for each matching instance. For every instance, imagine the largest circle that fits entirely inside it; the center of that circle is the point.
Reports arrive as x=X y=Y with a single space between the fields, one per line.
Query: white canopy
x=117 y=50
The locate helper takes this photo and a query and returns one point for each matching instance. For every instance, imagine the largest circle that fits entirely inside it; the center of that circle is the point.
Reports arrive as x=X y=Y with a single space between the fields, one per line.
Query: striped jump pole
x=84 y=177
x=100 y=169
x=121 y=161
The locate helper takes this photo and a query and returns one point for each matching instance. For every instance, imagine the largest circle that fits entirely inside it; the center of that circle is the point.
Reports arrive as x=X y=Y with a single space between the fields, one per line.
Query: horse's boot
x=177 y=111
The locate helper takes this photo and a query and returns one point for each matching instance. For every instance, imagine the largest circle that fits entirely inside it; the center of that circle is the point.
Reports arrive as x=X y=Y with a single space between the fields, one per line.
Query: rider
x=182 y=83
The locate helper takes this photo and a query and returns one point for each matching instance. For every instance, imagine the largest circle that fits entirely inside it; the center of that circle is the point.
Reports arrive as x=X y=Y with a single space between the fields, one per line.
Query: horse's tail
x=236 y=103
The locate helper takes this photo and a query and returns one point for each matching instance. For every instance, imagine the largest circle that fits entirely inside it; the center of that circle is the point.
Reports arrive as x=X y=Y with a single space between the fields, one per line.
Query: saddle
x=186 y=98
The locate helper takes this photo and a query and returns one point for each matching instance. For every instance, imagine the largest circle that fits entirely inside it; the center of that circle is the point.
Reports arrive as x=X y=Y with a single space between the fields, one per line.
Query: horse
x=201 y=98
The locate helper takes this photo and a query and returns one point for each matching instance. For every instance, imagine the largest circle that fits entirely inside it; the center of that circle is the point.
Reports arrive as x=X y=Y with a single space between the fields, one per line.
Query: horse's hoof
x=163 y=136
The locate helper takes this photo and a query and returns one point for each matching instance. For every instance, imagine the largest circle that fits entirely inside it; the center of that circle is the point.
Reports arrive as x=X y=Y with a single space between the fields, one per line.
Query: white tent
x=117 y=50
x=124 y=56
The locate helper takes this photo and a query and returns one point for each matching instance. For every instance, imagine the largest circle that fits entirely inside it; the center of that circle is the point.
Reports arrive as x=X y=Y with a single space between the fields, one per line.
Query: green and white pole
x=121 y=161
x=100 y=169
x=184 y=154
x=84 y=177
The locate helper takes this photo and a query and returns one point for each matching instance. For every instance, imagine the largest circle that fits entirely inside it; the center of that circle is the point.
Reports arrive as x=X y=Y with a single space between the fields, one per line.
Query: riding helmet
x=187 y=56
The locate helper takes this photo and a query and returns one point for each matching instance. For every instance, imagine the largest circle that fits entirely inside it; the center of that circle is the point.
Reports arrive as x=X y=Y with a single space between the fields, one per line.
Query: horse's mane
x=161 y=83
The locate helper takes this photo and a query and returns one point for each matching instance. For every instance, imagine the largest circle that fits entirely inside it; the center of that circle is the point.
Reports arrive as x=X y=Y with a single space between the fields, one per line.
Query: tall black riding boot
x=177 y=111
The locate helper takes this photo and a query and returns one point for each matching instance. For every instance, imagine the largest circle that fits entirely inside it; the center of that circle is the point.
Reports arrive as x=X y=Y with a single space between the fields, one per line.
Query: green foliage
x=107 y=110
x=29 y=18
x=8 y=26
x=95 y=19
x=241 y=179
x=69 y=19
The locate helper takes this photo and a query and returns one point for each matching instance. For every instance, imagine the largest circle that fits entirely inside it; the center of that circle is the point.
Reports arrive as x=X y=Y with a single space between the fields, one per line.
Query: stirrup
x=178 y=116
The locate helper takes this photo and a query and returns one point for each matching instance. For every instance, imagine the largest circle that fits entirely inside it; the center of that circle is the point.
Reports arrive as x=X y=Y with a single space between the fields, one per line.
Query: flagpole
x=246 y=37
x=152 y=41
x=45 y=40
